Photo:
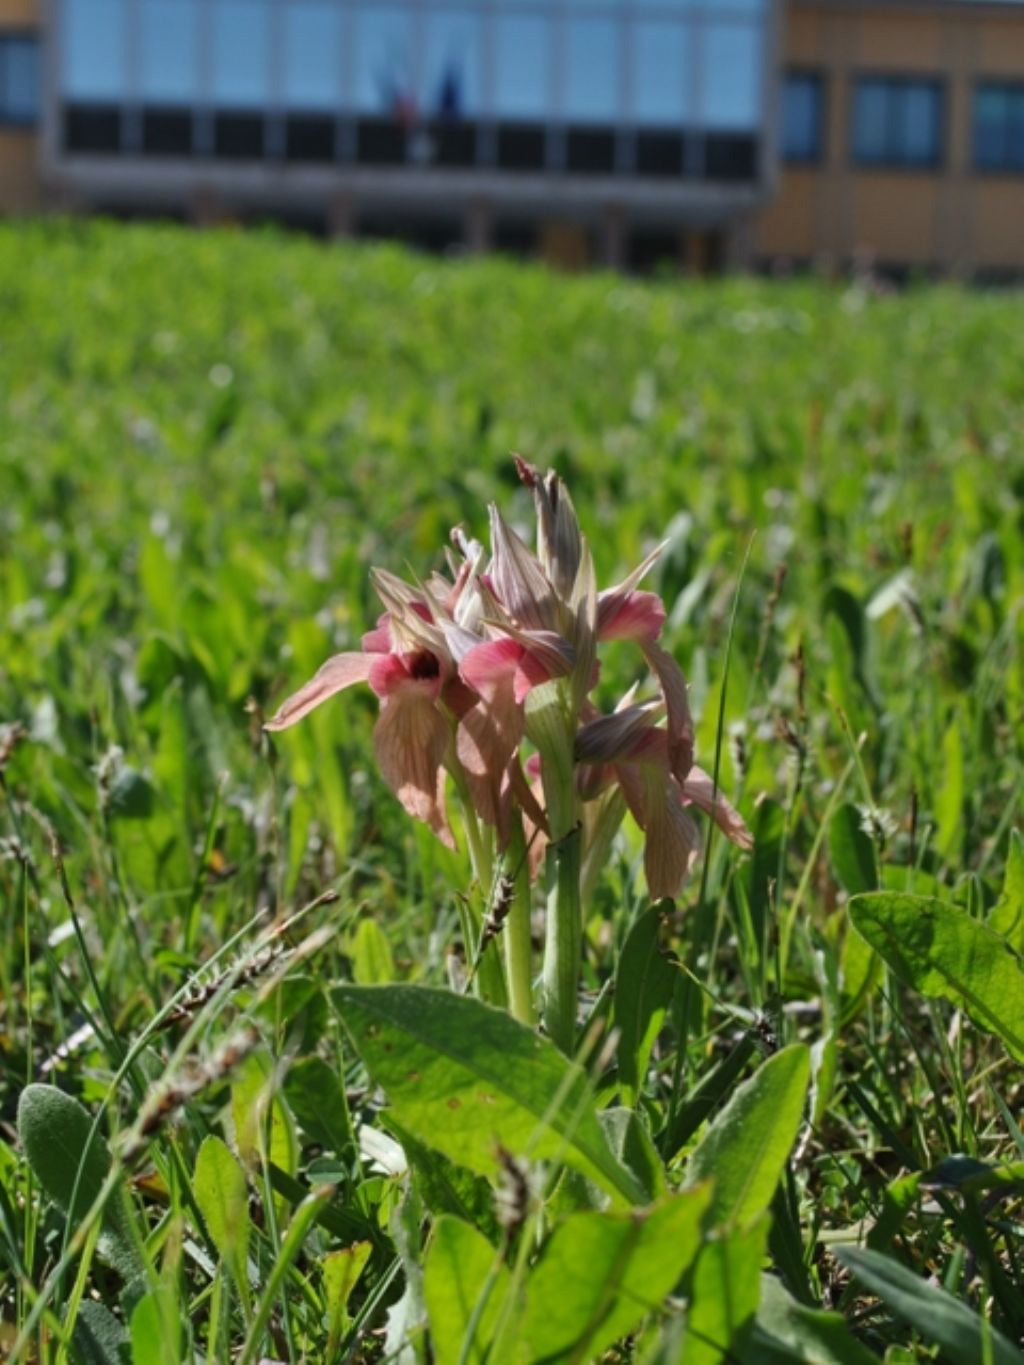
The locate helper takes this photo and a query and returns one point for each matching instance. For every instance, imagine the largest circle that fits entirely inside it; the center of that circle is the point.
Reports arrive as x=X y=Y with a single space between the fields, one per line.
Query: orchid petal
x=418 y=669
x=486 y=665
x=337 y=673
x=673 y=689
x=616 y=738
x=378 y=640
x=559 y=543
x=409 y=740
x=486 y=741
x=519 y=580
x=630 y=616
x=672 y=837
x=699 y=788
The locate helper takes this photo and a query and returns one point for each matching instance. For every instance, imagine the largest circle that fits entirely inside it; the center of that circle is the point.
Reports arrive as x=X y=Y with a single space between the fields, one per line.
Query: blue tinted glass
x=523 y=67
x=384 y=62
x=730 y=97
x=1015 y=132
x=241 y=53
x=801 y=118
x=592 y=85
x=94 y=49
x=312 y=54
x=660 y=77
x=169 y=51
x=871 y=121
x=919 y=124
x=19 y=80
x=454 y=51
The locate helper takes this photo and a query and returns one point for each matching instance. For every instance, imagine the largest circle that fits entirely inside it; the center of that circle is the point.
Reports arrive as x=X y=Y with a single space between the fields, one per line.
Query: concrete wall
x=954 y=219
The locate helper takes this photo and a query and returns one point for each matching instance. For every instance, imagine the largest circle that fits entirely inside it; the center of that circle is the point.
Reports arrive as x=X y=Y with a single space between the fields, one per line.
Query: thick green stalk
x=518 y=946
x=563 y=948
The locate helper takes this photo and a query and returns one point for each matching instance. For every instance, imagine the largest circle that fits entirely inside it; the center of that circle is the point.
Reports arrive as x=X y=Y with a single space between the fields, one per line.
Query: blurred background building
x=708 y=133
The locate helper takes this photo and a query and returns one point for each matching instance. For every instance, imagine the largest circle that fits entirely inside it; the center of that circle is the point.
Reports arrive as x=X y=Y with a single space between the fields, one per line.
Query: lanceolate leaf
x=223 y=1198
x=460 y=1265
x=940 y=1318
x=468 y=1079
x=644 y=984
x=941 y=951
x=724 y=1292
x=787 y=1331
x=601 y=1273
x=744 y=1150
x=1007 y=917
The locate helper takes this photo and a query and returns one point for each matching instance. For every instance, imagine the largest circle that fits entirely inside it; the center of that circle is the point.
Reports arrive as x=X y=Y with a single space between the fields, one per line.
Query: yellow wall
x=19 y=14
x=953 y=218
x=19 y=159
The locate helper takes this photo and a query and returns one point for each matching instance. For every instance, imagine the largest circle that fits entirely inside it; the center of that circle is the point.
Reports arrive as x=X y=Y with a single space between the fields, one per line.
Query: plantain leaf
x=644 y=982
x=468 y=1080
x=223 y=1198
x=1007 y=916
x=851 y=851
x=960 y=1332
x=461 y=1266
x=724 y=1292
x=745 y=1148
x=942 y=952
x=633 y=1260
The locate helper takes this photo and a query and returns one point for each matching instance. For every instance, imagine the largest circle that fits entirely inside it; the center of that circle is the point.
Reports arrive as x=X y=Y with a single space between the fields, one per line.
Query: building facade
x=751 y=133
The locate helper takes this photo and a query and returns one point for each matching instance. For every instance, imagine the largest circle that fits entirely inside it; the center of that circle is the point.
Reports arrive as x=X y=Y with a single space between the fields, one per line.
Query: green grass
x=206 y=441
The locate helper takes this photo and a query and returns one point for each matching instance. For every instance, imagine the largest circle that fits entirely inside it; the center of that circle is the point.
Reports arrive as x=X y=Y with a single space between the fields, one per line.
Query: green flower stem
x=490 y=977
x=563 y=947
x=518 y=946
x=551 y=725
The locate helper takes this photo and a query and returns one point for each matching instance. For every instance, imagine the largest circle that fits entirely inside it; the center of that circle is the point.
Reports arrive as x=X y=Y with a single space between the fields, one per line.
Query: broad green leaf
x=724 y=1291
x=460 y=1265
x=445 y=1187
x=644 y=982
x=156 y=1329
x=942 y=952
x=251 y=1097
x=1007 y=917
x=223 y=1198
x=949 y=803
x=630 y=1140
x=316 y=1097
x=786 y=1332
x=468 y=1079
x=957 y=1329
x=744 y=1150
x=99 y=1338
x=341 y=1271
x=72 y=1163
x=372 y=962
x=851 y=851
x=632 y=1262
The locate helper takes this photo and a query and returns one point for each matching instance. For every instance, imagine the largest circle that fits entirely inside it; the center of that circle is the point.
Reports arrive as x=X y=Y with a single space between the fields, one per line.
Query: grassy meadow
x=206 y=441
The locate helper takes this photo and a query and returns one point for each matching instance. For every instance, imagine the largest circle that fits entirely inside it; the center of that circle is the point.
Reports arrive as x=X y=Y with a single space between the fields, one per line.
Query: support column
x=478 y=226
x=341 y=214
x=615 y=223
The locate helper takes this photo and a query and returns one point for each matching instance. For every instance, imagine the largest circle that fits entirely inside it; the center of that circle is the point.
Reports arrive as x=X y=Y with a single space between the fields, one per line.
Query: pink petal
x=700 y=790
x=522 y=586
x=628 y=734
x=629 y=616
x=410 y=739
x=672 y=838
x=677 y=705
x=378 y=640
x=486 y=740
x=337 y=673
x=418 y=669
x=488 y=665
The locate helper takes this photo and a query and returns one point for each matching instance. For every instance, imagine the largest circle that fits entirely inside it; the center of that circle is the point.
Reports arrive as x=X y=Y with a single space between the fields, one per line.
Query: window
x=661 y=63
x=95 y=64
x=385 y=78
x=169 y=51
x=311 y=70
x=454 y=53
x=802 y=115
x=897 y=122
x=999 y=128
x=522 y=77
x=730 y=91
x=19 y=79
x=241 y=53
x=592 y=83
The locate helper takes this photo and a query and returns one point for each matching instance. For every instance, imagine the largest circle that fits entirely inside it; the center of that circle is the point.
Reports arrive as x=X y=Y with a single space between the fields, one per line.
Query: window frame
x=939 y=82
x=1010 y=86
x=819 y=155
x=10 y=36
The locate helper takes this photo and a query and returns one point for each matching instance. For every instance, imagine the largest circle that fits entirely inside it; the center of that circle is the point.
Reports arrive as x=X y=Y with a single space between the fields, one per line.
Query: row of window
x=901 y=122
x=313 y=139
x=700 y=68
